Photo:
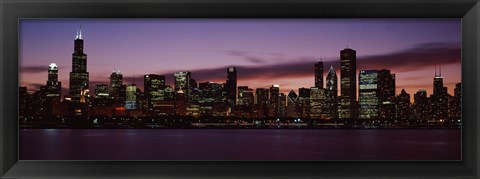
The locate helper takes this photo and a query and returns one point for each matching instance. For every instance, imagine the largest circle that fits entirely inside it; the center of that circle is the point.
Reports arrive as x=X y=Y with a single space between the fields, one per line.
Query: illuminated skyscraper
x=53 y=85
x=367 y=94
x=332 y=93
x=317 y=103
x=79 y=75
x=116 y=82
x=154 y=86
x=319 y=74
x=231 y=87
x=348 y=90
x=131 y=96
x=183 y=82
x=53 y=91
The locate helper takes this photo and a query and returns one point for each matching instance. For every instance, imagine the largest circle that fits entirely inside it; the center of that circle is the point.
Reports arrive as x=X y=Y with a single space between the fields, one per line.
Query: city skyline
x=255 y=70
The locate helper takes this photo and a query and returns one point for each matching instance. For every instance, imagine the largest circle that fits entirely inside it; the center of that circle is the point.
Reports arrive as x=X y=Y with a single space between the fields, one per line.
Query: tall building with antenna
x=439 y=97
x=78 y=76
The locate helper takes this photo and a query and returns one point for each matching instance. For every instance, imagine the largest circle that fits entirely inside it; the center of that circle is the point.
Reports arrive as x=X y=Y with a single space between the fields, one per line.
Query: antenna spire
x=440 y=69
x=76 y=36
x=80 y=33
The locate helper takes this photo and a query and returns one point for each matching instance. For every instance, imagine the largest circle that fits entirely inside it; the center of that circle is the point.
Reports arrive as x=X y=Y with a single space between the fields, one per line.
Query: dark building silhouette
x=319 y=74
x=282 y=106
x=25 y=107
x=386 y=94
x=103 y=102
x=261 y=101
x=180 y=103
x=231 y=87
x=154 y=87
x=348 y=90
x=79 y=76
x=291 y=101
x=439 y=98
x=303 y=102
x=274 y=108
x=246 y=100
x=421 y=106
x=332 y=93
x=404 y=106
x=456 y=103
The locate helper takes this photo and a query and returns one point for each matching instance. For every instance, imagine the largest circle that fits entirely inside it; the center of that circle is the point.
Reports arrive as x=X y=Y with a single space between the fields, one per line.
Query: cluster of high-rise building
x=376 y=98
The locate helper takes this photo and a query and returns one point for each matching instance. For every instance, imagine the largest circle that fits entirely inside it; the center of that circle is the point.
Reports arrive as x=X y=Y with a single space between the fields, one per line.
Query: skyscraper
x=79 y=75
x=231 y=87
x=180 y=103
x=421 y=106
x=183 y=82
x=456 y=103
x=52 y=91
x=261 y=101
x=246 y=98
x=367 y=94
x=386 y=94
x=319 y=74
x=274 y=101
x=332 y=93
x=154 y=86
x=348 y=90
x=404 y=106
x=246 y=101
x=291 y=107
x=53 y=85
x=116 y=82
x=131 y=96
x=303 y=102
x=317 y=102
x=439 y=97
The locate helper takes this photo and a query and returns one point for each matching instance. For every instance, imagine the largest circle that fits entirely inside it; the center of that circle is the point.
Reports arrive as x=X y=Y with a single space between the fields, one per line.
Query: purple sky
x=265 y=51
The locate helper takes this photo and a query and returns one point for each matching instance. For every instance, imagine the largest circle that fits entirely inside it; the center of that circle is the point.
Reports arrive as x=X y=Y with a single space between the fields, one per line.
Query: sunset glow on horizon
x=264 y=51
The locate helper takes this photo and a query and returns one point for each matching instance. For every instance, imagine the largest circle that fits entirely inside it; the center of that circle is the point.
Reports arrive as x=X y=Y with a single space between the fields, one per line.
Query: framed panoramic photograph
x=240 y=89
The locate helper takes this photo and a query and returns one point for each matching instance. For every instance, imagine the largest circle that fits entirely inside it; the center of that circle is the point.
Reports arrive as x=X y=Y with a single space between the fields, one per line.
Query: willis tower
x=79 y=74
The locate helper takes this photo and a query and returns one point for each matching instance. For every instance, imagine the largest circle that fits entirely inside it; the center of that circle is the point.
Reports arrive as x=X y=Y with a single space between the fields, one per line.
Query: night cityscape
x=330 y=102
x=240 y=89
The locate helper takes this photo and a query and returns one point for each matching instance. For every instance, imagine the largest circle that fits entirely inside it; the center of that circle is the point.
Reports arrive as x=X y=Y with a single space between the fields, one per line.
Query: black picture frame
x=12 y=10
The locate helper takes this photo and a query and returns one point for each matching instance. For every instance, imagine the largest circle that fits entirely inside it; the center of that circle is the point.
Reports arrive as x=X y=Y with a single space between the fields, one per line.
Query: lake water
x=239 y=144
